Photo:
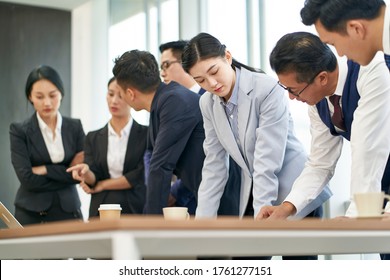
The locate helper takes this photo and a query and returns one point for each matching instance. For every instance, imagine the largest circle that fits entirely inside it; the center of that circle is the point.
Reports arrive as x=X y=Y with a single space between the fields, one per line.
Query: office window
x=278 y=22
x=127 y=27
x=169 y=22
x=141 y=24
x=226 y=20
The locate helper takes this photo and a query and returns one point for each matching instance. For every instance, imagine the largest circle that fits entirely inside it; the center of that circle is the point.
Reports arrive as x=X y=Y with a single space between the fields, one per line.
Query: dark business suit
x=96 y=145
x=176 y=138
x=28 y=149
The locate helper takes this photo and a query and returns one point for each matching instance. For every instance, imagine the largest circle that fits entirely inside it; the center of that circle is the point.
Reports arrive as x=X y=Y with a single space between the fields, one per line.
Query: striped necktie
x=337 y=118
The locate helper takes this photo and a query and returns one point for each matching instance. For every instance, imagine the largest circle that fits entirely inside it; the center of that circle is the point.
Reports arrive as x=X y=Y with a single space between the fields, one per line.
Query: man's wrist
x=289 y=207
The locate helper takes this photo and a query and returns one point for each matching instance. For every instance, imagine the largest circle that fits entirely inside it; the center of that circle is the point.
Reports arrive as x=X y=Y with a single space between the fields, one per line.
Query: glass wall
x=226 y=20
x=141 y=24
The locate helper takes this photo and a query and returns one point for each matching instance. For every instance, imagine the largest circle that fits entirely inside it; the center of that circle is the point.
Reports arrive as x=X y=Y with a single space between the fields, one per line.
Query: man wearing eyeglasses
x=310 y=72
x=171 y=69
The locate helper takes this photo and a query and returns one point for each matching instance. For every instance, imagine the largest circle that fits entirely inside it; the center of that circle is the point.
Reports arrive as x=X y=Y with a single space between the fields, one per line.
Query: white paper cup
x=370 y=204
x=387 y=208
x=176 y=213
x=110 y=211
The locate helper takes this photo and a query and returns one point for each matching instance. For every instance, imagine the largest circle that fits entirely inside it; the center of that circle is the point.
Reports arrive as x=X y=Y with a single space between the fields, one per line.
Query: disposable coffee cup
x=176 y=213
x=387 y=208
x=370 y=204
x=110 y=212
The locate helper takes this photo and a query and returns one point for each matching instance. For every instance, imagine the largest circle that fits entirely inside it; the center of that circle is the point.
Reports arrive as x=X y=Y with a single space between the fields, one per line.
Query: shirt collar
x=195 y=88
x=343 y=71
x=233 y=99
x=44 y=127
x=124 y=132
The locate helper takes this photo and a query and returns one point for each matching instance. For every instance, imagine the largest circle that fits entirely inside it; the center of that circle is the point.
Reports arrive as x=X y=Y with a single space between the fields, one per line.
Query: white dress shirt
x=52 y=140
x=370 y=139
x=195 y=88
x=117 y=146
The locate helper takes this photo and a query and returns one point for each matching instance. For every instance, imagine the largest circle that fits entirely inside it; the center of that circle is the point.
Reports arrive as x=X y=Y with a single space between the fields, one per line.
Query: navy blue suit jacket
x=28 y=149
x=96 y=145
x=176 y=138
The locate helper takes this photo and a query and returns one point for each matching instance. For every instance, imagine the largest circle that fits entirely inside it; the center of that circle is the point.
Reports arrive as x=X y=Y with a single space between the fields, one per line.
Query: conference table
x=140 y=237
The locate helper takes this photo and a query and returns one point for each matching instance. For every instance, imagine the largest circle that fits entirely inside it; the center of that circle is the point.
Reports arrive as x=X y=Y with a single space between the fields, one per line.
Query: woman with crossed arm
x=42 y=148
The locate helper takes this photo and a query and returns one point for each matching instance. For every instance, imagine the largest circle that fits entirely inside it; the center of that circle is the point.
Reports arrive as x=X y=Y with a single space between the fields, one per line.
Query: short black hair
x=333 y=14
x=138 y=69
x=303 y=53
x=176 y=47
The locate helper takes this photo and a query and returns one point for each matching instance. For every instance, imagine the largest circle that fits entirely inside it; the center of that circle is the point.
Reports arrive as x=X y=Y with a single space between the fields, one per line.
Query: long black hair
x=204 y=46
x=43 y=72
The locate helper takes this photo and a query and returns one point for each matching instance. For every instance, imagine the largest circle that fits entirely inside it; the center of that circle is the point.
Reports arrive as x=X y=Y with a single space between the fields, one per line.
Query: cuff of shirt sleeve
x=297 y=200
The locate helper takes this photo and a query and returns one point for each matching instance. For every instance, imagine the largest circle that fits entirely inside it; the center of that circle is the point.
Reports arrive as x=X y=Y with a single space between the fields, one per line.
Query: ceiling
x=55 y=4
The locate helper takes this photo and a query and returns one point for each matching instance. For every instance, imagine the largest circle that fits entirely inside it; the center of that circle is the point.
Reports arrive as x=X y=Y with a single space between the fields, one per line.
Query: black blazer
x=96 y=145
x=28 y=149
x=176 y=138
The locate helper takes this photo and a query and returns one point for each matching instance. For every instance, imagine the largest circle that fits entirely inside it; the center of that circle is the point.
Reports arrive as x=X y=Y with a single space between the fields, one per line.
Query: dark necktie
x=337 y=118
x=387 y=59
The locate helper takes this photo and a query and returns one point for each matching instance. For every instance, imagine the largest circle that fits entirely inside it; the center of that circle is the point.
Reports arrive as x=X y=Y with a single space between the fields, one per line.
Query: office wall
x=29 y=36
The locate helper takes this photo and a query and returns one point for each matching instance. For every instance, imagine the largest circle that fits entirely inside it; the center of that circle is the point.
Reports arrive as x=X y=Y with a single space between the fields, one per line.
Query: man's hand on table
x=279 y=212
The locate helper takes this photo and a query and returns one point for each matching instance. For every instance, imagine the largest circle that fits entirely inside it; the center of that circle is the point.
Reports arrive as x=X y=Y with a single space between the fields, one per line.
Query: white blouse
x=117 y=146
x=53 y=141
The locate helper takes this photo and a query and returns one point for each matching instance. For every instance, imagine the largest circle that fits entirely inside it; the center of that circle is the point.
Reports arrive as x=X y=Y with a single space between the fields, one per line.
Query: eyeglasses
x=299 y=93
x=166 y=64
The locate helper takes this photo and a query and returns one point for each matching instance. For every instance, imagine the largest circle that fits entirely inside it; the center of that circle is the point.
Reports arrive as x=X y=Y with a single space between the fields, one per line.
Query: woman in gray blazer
x=42 y=148
x=246 y=115
x=113 y=172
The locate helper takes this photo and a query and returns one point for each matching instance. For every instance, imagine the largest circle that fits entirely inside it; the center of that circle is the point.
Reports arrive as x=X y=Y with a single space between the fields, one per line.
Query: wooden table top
x=141 y=222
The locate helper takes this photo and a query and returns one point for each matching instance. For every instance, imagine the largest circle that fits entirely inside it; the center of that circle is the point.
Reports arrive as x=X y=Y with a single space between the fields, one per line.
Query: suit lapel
x=244 y=104
x=131 y=146
x=36 y=137
x=66 y=135
x=153 y=120
x=150 y=130
x=102 y=142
